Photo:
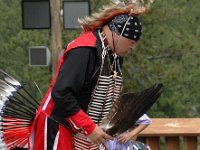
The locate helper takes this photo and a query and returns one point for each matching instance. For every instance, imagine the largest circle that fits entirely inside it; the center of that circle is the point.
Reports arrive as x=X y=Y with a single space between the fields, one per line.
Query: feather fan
x=17 y=111
x=128 y=109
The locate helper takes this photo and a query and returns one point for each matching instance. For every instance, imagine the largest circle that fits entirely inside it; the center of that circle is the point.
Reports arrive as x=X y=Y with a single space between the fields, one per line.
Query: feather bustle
x=17 y=110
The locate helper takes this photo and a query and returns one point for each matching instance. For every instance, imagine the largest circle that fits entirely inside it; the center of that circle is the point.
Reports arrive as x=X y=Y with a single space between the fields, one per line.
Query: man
x=87 y=82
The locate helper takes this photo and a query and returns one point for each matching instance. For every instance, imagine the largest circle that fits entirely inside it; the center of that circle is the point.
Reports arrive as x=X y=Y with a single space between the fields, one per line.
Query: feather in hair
x=96 y=20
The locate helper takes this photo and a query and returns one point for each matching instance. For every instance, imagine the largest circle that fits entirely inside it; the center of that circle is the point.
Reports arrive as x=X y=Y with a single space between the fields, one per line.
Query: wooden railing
x=177 y=134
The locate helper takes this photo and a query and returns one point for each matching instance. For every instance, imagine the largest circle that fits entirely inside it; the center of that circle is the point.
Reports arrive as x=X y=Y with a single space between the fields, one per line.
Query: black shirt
x=76 y=80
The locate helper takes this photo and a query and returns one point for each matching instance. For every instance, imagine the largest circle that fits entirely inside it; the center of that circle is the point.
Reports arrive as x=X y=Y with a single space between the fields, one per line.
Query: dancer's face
x=123 y=46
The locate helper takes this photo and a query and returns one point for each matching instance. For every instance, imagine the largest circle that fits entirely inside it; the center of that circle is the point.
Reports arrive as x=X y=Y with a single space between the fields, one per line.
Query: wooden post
x=190 y=143
x=153 y=142
x=55 y=33
x=172 y=143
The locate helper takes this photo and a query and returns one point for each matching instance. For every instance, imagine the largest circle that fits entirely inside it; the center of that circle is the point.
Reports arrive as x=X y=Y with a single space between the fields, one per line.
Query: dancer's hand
x=132 y=134
x=98 y=136
x=125 y=137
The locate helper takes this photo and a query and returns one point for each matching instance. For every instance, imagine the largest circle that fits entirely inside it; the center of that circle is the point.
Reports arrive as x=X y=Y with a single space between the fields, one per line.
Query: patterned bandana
x=127 y=26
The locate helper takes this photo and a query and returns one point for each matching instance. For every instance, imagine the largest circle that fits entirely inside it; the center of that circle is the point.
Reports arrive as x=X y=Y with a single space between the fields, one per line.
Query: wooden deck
x=172 y=129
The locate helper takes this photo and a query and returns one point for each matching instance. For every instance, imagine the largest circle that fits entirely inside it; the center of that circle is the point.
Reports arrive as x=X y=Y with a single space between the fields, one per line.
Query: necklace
x=111 y=56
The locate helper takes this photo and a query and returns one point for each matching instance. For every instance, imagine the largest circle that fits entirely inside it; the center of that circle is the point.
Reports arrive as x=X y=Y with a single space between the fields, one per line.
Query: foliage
x=168 y=52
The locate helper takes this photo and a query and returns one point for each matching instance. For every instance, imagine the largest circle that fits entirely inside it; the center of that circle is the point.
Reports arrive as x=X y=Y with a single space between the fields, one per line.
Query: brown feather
x=129 y=108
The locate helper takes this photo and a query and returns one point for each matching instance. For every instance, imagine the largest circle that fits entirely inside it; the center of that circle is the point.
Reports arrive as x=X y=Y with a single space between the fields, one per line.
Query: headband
x=128 y=26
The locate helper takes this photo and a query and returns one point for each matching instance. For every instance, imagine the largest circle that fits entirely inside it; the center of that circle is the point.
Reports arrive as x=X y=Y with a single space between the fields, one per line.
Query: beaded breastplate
x=106 y=91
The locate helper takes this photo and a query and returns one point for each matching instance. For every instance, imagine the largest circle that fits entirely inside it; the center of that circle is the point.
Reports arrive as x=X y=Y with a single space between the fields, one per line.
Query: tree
x=168 y=52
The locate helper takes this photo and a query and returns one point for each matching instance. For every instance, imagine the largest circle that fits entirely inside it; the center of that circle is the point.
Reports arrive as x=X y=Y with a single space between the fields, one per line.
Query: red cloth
x=64 y=139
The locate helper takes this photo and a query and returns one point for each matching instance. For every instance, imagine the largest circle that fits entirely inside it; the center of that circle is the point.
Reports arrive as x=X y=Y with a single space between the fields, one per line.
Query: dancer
x=87 y=83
